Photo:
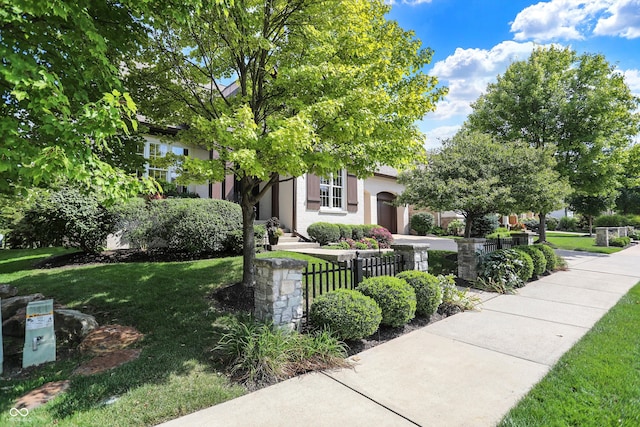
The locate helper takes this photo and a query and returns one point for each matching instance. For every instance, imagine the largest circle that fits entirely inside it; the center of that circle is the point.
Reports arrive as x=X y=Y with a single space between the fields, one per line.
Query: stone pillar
x=468 y=251
x=415 y=256
x=278 y=291
x=524 y=239
x=602 y=236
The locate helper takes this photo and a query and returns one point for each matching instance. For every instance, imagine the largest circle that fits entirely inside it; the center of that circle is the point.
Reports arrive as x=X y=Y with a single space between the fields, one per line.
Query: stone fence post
x=278 y=291
x=468 y=250
x=415 y=256
x=525 y=239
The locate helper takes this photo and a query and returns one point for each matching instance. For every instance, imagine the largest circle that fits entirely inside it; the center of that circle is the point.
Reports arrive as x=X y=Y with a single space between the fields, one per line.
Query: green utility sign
x=40 y=338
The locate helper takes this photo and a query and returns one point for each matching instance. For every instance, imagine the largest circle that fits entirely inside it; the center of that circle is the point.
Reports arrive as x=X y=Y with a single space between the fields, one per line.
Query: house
x=301 y=201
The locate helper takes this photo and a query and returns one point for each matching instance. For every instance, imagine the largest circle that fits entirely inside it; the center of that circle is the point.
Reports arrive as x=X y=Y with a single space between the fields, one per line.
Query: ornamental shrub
x=371 y=243
x=348 y=314
x=382 y=236
x=525 y=271
x=539 y=260
x=455 y=227
x=634 y=234
x=422 y=223
x=367 y=228
x=484 y=225
x=550 y=256
x=610 y=221
x=619 y=242
x=64 y=218
x=568 y=223
x=324 y=232
x=396 y=298
x=501 y=270
x=346 y=231
x=357 y=232
x=552 y=223
x=235 y=240
x=427 y=289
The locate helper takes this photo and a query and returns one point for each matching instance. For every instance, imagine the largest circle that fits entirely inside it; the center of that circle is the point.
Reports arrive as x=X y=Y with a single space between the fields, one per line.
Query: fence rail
x=492 y=245
x=319 y=279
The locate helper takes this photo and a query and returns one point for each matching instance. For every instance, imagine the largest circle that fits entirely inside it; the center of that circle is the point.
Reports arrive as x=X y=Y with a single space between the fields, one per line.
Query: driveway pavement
x=466 y=370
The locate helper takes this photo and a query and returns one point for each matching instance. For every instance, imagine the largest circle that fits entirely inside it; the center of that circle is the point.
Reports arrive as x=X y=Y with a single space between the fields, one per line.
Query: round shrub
x=568 y=223
x=64 y=218
x=357 y=232
x=552 y=223
x=525 y=270
x=347 y=313
x=197 y=225
x=539 y=260
x=427 y=288
x=550 y=256
x=422 y=223
x=396 y=298
x=455 y=227
x=324 y=232
x=346 y=231
x=610 y=221
x=367 y=228
x=619 y=242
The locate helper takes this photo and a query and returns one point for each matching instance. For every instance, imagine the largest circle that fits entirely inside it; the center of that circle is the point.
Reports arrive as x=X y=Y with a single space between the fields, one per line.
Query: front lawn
x=596 y=383
x=575 y=242
x=167 y=302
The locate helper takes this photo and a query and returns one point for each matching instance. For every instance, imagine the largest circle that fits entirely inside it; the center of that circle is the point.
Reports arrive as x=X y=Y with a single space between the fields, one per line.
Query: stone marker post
x=416 y=256
x=468 y=250
x=278 y=291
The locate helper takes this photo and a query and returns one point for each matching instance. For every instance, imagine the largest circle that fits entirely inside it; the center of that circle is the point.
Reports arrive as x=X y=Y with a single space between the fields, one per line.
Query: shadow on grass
x=167 y=302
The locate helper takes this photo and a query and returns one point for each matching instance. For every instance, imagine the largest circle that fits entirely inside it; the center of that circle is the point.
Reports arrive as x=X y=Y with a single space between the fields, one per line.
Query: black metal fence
x=319 y=279
x=503 y=243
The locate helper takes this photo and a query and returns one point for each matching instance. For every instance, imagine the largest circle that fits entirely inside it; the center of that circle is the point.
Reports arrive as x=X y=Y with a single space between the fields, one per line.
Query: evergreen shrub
x=422 y=223
x=427 y=289
x=324 y=232
x=346 y=313
x=539 y=260
x=396 y=298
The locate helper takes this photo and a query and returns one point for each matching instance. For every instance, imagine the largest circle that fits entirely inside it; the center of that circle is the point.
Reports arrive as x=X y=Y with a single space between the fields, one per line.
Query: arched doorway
x=387 y=213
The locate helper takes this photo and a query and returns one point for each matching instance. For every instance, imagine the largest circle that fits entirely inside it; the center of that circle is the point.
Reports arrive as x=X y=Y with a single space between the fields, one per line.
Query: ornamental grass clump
x=259 y=354
x=348 y=314
x=396 y=298
x=427 y=289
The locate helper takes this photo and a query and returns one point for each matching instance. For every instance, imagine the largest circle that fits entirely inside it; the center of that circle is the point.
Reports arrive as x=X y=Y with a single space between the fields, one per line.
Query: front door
x=387 y=213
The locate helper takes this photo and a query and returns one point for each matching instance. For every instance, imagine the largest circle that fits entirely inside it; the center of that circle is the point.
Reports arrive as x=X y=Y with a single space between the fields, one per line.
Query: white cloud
x=468 y=71
x=623 y=20
x=559 y=19
x=439 y=134
x=632 y=78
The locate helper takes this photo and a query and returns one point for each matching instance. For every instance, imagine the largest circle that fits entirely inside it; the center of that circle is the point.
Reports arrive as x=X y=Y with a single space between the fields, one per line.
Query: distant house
x=299 y=202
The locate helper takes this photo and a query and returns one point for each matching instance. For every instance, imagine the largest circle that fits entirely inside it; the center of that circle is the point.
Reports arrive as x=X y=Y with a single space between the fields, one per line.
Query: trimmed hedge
x=427 y=289
x=347 y=313
x=396 y=298
x=324 y=232
x=539 y=260
x=550 y=256
x=525 y=271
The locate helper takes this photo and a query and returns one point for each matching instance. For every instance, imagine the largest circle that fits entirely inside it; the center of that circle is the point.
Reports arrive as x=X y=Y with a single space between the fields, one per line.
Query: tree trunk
x=542 y=231
x=467 y=226
x=249 y=244
x=590 y=225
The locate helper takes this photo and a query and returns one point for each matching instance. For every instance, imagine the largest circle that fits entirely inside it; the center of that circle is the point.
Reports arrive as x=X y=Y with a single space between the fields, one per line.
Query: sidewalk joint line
x=371 y=399
x=543 y=320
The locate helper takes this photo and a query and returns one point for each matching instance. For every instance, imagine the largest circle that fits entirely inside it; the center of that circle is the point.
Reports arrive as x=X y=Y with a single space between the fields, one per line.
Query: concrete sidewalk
x=466 y=370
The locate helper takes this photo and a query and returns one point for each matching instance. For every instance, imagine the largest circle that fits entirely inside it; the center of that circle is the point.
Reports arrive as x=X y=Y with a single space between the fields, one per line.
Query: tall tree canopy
x=320 y=85
x=576 y=106
x=63 y=108
x=476 y=175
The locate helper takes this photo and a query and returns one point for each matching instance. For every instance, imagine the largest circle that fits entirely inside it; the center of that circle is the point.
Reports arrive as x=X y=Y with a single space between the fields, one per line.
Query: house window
x=332 y=191
x=157 y=150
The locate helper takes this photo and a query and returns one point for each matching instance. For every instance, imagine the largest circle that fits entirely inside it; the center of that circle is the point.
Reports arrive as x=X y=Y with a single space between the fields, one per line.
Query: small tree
x=472 y=174
x=591 y=206
x=319 y=86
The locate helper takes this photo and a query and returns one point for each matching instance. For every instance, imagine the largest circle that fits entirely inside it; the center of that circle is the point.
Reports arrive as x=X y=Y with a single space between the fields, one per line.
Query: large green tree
x=474 y=174
x=319 y=85
x=63 y=111
x=578 y=107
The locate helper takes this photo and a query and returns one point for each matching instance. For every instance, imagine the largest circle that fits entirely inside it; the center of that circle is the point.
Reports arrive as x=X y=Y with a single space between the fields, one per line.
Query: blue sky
x=476 y=40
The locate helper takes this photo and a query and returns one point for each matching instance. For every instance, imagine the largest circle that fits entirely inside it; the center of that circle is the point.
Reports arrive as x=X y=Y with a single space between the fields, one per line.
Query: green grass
x=176 y=373
x=575 y=242
x=596 y=383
